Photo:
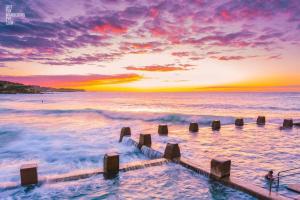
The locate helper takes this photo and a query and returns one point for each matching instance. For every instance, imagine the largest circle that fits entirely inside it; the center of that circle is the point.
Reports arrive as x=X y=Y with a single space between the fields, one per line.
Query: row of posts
x=218 y=168
x=29 y=175
x=215 y=125
x=111 y=167
x=111 y=163
x=239 y=122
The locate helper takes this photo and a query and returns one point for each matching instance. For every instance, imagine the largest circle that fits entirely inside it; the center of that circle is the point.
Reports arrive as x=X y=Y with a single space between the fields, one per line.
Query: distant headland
x=7 y=87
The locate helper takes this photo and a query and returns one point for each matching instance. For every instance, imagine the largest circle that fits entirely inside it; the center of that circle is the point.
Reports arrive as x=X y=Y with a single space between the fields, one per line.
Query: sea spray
x=148 y=152
x=151 y=153
x=129 y=141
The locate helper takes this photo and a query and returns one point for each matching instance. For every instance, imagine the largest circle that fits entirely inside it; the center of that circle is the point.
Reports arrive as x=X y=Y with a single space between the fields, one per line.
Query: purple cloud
x=249 y=9
x=270 y=36
x=85 y=58
x=143 y=26
x=230 y=39
x=160 y=68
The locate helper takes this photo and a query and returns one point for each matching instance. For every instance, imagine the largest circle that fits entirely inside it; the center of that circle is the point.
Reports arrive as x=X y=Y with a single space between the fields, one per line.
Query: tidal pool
x=169 y=181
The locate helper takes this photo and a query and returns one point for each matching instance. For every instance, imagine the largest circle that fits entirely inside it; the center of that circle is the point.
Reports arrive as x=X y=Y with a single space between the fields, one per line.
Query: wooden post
x=194 y=127
x=29 y=174
x=287 y=123
x=172 y=151
x=239 y=122
x=145 y=139
x=216 y=125
x=125 y=131
x=220 y=168
x=163 y=129
x=111 y=165
x=261 y=120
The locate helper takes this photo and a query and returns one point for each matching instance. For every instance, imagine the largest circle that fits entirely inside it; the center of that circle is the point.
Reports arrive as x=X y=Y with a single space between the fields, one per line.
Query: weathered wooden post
x=216 y=125
x=172 y=151
x=193 y=127
x=220 y=168
x=125 y=131
x=261 y=120
x=145 y=139
x=29 y=174
x=239 y=122
x=163 y=129
x=287 y=123
x=111 y=165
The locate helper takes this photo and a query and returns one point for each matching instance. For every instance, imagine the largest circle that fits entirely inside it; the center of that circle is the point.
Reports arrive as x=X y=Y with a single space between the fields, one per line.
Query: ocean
x=63 y=132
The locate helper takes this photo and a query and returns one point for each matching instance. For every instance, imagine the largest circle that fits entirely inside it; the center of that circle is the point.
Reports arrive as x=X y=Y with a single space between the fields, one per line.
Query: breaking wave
x=174 y=118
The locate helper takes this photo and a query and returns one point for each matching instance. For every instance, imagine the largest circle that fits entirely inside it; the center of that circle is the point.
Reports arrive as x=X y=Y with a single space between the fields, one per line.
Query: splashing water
x=151 y=153
x=71 y=131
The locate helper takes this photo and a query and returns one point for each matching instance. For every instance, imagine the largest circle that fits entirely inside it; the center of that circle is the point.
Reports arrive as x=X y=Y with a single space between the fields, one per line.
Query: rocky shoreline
x=7 y=87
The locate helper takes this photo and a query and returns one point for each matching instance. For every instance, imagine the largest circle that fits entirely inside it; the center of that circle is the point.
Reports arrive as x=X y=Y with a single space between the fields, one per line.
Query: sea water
x=62 y=132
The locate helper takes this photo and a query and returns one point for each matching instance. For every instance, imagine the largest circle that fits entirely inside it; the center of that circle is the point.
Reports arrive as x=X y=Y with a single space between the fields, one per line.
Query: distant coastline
x=7 y=87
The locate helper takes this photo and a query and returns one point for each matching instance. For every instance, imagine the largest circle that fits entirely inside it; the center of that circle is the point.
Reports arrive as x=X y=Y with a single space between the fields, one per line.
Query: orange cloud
x=73 y=81
x=117 y=79
x=142 y=45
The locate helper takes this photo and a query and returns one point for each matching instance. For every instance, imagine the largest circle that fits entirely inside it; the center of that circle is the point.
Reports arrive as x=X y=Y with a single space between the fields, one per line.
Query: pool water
x=169 y=181
x=253 y=150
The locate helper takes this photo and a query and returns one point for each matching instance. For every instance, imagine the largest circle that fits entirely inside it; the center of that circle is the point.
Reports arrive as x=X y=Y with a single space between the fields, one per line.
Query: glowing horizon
x=153 y=46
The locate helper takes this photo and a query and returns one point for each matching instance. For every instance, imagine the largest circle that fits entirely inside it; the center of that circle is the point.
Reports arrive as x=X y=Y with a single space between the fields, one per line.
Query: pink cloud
x=109 y=28
x=274 y=57
x=226 y=15
x=181 y=54
x=231 y=58
x=226 y=58
x=154 y=12
x=157 y=68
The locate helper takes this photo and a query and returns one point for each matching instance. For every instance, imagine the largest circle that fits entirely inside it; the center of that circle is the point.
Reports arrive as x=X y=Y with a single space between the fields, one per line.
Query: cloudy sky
x=153 y=45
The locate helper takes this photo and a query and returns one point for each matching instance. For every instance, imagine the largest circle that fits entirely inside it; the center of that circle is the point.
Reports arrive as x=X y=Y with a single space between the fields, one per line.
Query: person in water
x=269 y=175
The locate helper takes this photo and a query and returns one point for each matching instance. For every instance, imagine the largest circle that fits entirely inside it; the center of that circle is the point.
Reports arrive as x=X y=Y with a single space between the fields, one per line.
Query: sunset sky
x=153 y=45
